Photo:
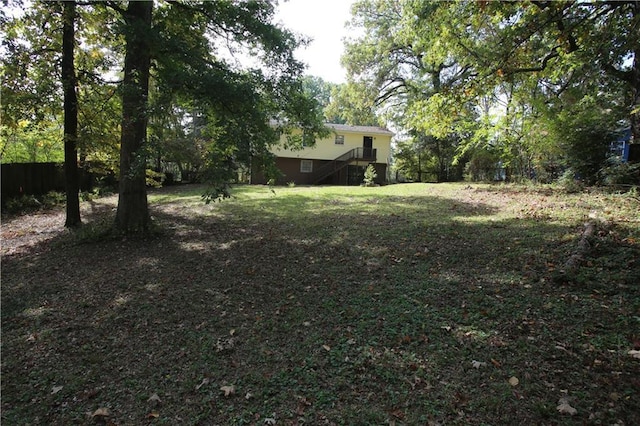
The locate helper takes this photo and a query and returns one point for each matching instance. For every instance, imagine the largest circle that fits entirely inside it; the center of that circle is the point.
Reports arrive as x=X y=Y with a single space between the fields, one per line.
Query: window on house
x=339 y=139
x=306 y=166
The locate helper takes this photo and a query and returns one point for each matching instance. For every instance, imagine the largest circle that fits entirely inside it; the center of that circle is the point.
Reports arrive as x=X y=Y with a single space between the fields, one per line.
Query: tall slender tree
x=69 y=84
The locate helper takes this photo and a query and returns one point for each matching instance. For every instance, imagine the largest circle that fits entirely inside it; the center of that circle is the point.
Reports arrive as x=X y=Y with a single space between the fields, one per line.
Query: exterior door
x=367 y=145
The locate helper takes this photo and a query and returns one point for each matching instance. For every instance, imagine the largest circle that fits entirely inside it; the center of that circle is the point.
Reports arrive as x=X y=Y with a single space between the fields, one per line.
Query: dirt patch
x=21 y=233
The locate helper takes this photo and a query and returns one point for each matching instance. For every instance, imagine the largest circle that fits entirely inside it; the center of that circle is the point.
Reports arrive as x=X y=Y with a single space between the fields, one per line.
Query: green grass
x=333 y=305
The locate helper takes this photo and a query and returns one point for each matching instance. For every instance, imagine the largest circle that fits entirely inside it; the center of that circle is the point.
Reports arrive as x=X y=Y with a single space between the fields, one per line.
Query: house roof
x=374 y=130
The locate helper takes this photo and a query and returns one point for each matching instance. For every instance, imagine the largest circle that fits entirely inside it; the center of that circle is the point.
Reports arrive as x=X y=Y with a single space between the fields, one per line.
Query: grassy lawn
x=404 y=304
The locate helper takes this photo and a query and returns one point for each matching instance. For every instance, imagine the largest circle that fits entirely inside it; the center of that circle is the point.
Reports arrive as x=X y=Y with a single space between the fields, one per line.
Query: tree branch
x=553 y=54
x=626 y=76
x=116 y=6
x=387 y=94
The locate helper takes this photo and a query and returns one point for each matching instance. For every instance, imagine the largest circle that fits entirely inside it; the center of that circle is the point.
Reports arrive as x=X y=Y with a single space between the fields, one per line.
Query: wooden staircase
x=339 y=163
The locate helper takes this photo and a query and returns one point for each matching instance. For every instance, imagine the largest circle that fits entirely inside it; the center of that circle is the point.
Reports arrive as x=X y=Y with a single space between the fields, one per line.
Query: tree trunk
x=635 y=96
x=69 y=84
x=133 y=214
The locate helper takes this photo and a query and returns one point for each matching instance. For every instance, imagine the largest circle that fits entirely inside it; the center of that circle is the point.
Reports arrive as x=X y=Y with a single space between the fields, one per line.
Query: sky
x=323 y=21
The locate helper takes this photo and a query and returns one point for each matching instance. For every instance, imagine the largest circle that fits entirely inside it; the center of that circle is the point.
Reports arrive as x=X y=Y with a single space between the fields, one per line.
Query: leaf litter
x=398 y=333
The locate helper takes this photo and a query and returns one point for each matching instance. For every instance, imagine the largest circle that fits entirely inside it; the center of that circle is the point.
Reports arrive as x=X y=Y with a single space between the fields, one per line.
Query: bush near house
x=370 y=175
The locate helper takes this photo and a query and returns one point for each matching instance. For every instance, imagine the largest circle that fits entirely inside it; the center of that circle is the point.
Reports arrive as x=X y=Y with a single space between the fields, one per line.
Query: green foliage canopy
x=500 y=76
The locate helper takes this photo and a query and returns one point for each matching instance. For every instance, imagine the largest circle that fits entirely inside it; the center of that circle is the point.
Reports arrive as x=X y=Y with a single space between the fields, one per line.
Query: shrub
x=370 y=175
x=482 y=167
x=53 y=198
x=569 y=182
x=587 y=150
x=154 y=179
x=618 y=172
x=30 y=203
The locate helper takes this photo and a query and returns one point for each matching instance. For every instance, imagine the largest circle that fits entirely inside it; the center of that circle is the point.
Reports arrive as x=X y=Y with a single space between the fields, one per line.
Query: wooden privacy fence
x=634 y=153
x=36 y=179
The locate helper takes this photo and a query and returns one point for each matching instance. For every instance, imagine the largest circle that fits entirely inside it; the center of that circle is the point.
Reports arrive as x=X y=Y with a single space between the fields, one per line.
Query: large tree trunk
x=133 y=213
x=69 y=84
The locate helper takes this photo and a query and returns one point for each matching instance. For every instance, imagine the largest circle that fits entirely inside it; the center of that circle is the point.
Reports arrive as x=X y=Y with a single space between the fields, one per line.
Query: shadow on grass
x=337 y=308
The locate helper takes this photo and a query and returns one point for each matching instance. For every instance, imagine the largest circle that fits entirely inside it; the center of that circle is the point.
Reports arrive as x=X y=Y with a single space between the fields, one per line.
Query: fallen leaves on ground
x=634 y=354
x=191 y=312
x=565 y=408
x=204 y=382
x=478 y=364
x=228 y=390
x=101 y=412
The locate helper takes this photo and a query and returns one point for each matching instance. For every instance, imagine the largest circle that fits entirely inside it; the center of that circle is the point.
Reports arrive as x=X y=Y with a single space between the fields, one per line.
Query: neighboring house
x=339 y=159
x=621 y=146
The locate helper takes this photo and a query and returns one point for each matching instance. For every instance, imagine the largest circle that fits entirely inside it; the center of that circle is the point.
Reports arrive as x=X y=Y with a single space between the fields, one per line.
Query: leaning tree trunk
x=69 y=84
x=132 y=215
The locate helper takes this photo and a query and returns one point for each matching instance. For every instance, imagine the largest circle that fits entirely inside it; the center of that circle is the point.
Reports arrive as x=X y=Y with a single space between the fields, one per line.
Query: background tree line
x=534 y=87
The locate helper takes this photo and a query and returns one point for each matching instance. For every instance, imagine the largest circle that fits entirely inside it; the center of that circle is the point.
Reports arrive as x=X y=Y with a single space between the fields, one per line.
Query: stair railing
x=342 y=161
